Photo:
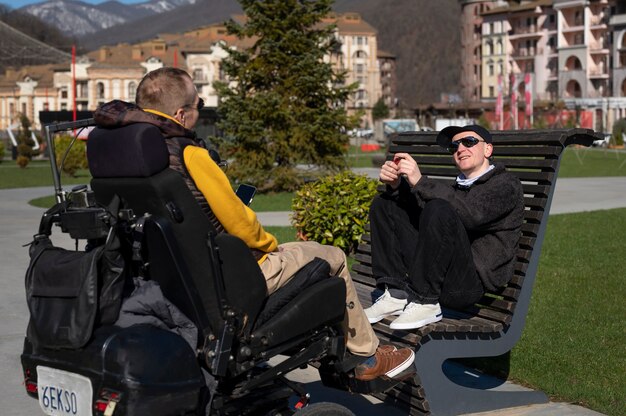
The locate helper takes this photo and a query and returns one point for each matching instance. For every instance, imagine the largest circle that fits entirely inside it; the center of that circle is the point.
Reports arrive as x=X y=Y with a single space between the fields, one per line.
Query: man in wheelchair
x=250 y=297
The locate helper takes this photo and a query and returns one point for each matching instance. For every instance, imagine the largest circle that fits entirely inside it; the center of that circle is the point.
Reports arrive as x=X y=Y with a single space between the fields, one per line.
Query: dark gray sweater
x=492 y=211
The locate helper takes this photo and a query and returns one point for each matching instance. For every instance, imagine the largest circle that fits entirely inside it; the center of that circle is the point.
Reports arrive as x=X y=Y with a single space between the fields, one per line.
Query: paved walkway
x=19 y=221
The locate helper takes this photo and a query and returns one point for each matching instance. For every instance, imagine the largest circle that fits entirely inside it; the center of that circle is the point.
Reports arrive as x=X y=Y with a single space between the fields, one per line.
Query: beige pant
x=280 y=266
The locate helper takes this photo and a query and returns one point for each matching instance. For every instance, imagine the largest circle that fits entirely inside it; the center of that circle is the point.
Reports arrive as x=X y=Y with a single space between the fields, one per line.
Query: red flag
x=528 y=94
x=499 y=98
x=514 y=100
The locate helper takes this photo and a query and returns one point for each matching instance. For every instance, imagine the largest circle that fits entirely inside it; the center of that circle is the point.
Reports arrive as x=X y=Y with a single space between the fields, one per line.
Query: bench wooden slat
x=538 y=190
x=534 y=203
x=402 y=399
x=516 y=151
x=529 y=229
x=509 y=162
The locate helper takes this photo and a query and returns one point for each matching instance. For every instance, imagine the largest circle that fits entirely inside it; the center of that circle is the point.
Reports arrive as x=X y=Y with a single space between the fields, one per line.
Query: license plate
x=63 y=393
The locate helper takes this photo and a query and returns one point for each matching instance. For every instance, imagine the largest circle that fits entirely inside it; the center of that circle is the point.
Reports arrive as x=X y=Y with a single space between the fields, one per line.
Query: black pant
x=423 y=252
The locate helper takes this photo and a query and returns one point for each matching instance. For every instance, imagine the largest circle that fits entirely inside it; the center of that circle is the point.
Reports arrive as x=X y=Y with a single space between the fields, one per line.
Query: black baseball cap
x=445 y=136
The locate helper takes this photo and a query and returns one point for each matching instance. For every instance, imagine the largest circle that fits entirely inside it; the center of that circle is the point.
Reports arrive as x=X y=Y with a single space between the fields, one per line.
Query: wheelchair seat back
x=132 y=162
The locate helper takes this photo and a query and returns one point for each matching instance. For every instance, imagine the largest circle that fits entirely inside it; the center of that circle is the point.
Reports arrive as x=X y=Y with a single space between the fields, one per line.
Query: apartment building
x=358 y=56
x=568 y=49
x=113 y=72
x=388 y=80
x=471 y=46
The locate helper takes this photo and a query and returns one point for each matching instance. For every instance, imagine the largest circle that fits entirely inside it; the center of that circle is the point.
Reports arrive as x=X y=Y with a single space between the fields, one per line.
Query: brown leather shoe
x=386 y=348
x=388 y=364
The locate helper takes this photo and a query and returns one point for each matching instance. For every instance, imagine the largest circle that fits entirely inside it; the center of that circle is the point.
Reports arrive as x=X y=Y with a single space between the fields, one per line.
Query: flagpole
x=74 y=82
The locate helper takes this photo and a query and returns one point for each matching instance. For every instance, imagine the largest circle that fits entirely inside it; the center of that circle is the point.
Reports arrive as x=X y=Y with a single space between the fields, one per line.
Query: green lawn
x=37 y=173
x=592 y=162
x=574 y=343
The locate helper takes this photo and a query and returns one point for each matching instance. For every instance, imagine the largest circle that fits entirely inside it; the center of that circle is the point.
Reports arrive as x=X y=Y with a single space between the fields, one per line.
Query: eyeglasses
x=198 y=106
x=468 y=142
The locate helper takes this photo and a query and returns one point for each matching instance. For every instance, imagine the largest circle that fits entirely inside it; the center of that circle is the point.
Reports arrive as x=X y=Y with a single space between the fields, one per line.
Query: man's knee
x=382 y=207
x=377 y=206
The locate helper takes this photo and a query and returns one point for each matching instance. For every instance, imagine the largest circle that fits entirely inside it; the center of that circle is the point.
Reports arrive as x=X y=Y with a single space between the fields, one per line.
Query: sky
x=16 y=4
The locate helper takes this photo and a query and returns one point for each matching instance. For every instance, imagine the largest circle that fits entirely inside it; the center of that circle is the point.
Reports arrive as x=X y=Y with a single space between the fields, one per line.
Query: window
x=578 y=39
x=489 y=48
x=81 y=89
x=24 y=108
x=100 y=90
x=64 y=92
x=198 y=75
x=578 y=18
x=132 y=90
x=491 y=91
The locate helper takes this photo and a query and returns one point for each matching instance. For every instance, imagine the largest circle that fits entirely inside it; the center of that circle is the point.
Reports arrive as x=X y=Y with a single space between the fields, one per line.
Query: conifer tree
x=283 y=104
x=25 y=143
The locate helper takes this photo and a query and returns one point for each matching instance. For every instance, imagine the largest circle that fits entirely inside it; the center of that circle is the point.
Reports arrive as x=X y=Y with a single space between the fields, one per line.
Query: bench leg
x=447 y=397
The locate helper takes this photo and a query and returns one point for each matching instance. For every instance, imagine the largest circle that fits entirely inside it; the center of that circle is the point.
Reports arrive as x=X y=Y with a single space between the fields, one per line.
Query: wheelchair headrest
x=133 y=151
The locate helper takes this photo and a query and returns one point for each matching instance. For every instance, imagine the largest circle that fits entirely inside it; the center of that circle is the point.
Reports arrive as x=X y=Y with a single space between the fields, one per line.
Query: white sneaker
x=416 y=315
x=384 y=306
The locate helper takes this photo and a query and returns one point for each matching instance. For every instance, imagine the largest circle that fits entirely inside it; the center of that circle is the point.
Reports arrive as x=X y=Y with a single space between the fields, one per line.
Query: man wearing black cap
x=436 y=244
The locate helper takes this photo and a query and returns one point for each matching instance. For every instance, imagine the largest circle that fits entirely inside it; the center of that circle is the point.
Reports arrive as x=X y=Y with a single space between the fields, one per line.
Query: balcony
x=599 y=20
x=526 y=53
x=598 y=74
x=618 y=19
x=200 y=78
x=524 y=32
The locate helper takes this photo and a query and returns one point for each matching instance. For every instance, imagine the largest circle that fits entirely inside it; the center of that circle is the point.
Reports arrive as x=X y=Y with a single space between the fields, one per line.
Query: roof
x=514 y=7
x=380 y=53
x=43 y=74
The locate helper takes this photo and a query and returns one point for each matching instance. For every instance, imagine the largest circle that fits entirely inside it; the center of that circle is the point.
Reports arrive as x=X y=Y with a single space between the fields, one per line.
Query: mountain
x=79 y=18
x=185 y=17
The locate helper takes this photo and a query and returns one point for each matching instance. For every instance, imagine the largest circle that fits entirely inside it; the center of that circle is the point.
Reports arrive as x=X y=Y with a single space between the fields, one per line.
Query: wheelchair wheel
x=324 y=409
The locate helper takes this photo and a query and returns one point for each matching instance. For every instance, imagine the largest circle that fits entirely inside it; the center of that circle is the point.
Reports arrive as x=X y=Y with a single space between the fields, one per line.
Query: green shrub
x=619 y=127
x=22 y=161
x=1 y=151
x=76 y=158
x=334 y=209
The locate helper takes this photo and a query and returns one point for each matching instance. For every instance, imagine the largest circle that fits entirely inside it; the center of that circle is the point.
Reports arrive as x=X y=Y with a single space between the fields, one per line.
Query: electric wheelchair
x=142 y=222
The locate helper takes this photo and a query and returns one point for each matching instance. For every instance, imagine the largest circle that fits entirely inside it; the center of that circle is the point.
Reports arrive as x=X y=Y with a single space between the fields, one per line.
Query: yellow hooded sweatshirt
x=236 y=218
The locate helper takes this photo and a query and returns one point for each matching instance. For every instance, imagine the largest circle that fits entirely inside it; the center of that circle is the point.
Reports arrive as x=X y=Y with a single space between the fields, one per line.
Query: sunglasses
x=198 y=106
x=468 y=142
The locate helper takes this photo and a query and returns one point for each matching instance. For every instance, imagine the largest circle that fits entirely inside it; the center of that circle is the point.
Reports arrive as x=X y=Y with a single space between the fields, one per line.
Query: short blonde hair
x=166 y=90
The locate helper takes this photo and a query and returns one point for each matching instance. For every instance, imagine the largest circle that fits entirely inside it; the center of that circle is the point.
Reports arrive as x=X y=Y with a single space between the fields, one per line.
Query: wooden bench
x=494 y=325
